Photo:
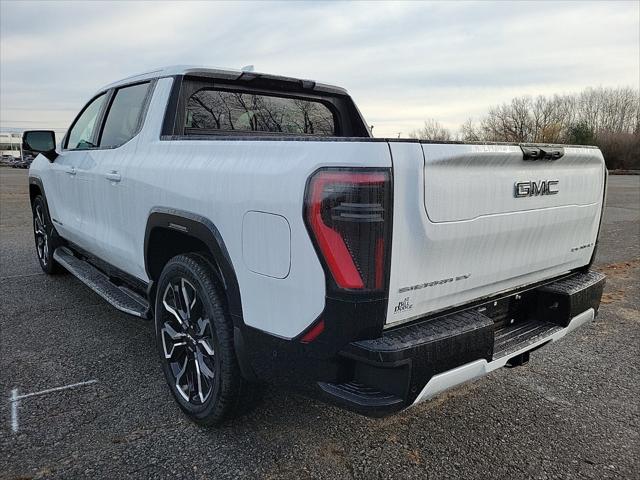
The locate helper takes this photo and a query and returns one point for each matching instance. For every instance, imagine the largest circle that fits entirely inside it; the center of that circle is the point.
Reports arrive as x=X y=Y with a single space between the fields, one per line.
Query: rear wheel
x=45 y=236
x=194 y=337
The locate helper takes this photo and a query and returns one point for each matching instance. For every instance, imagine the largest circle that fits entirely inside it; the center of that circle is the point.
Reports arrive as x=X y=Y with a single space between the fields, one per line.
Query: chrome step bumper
x=479 y=368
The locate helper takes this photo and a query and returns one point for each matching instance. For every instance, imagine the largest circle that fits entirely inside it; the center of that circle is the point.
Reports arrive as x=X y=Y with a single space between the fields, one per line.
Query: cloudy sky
x=402 y=62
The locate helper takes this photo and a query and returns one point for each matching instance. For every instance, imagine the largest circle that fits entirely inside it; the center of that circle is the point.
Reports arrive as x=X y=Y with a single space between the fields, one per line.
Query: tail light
x=348 y=214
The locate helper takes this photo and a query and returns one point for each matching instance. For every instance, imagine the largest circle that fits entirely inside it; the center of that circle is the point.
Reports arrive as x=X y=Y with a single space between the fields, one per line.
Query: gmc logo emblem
x=535 y=189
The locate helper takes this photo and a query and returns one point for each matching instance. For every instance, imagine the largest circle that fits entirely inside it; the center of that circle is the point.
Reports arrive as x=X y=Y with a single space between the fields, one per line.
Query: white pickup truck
x=273 y=240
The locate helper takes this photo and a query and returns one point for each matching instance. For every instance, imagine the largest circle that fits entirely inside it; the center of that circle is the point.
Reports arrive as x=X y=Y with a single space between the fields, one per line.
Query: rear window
x=217 y=110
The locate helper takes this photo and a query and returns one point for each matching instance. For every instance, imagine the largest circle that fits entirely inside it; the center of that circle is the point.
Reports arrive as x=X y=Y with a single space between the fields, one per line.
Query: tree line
x=606 y=117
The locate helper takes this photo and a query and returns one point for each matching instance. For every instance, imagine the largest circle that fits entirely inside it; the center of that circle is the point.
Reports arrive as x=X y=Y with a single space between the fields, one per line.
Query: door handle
x=113 y=176
x=71 y=170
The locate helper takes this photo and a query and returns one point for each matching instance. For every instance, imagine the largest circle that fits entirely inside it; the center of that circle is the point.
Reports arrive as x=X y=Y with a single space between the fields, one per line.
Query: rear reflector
x=313 y=333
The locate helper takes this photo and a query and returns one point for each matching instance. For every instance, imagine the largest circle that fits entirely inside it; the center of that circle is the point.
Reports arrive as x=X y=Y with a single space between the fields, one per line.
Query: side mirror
x=40 y=141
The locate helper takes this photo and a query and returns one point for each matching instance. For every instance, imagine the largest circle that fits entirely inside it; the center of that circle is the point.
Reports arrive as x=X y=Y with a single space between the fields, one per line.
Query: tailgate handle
x=533 y=152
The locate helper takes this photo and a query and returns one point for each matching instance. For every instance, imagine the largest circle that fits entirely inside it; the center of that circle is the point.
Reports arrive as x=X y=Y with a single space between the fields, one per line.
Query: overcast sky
x=402 y=62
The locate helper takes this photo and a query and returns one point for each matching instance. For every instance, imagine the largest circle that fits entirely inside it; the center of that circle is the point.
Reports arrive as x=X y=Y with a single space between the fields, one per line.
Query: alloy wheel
x=187 y=341
x=42 y=237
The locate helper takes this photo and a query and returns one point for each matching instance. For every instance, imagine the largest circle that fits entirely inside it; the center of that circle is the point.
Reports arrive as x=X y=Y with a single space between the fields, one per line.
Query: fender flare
x=204 y=230
x=37 y=181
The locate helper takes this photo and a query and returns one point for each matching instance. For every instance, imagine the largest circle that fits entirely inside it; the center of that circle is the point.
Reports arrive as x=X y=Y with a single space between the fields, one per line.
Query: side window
x=123 y=118
x=210 y=110
x=82 y=133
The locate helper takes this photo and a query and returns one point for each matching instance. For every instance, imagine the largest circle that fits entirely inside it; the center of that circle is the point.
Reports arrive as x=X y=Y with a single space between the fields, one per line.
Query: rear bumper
x=413 y=363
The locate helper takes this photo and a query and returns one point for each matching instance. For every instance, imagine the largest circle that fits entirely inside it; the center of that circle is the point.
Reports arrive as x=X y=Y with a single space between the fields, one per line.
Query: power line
x=27 y=121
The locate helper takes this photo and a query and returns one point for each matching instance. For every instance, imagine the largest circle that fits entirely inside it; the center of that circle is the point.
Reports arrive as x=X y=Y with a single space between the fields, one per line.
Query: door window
x=81 y=135
x=123 y=119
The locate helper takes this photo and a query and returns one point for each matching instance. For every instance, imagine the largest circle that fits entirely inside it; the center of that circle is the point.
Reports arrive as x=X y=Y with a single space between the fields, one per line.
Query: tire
x=194 y=338
x=46 y=237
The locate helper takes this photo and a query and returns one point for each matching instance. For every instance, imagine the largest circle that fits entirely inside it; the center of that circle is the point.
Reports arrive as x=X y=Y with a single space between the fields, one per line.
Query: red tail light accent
x=380 y=264
x=312 y=334
x=347 y=213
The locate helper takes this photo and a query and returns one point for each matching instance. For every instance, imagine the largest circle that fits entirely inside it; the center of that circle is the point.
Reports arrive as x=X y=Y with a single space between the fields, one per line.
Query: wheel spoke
x=168 y=307
x=40 y=247
x=204 y=368
x=205 y=345
x=39 y=215
x=187 y=302
x=174 y=336
x=200 y=382
x=202 y=337
x=179 y=376
x=38 y=226
x=203 y=323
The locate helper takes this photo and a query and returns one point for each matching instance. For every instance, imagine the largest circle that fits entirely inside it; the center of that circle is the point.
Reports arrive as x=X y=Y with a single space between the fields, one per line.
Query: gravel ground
x=572 y=412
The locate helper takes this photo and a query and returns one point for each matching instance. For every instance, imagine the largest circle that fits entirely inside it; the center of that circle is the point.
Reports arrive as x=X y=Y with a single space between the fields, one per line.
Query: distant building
x=11 y=145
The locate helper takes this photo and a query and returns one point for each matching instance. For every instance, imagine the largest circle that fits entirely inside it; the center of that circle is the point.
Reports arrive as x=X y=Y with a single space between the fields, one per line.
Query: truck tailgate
x=475 y=220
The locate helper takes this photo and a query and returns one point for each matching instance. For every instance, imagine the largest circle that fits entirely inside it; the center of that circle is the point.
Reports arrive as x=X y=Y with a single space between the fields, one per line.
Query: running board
x=120 y=297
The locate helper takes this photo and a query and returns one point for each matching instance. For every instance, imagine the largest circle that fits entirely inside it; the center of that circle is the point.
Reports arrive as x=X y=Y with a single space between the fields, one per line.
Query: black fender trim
x=37 y=181
x=33 y=180
x=204 y=230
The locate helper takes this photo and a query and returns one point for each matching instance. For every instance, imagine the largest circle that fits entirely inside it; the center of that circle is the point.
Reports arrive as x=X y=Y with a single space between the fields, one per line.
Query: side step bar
x=120 y=297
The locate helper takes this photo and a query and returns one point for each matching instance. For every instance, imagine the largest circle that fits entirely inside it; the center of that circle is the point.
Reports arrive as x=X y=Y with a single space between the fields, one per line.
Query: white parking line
x=14 y=400
x=14 y=410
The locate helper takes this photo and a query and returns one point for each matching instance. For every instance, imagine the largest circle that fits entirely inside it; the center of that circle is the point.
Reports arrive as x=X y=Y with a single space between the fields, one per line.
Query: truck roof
x=221 y=73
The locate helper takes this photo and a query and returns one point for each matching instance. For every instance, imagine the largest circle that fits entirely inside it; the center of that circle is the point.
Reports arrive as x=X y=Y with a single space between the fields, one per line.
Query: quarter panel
x=222 y=180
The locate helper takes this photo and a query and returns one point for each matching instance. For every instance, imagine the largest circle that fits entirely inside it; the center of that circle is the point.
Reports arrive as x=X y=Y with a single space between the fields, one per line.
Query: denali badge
x=534 y=189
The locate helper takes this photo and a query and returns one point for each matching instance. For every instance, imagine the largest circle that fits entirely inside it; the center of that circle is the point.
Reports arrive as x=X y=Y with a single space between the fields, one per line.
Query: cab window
x=123 y=118
x=82 y=134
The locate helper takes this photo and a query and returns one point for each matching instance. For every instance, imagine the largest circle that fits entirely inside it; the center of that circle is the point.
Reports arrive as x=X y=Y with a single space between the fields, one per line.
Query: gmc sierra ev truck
x=271 y=239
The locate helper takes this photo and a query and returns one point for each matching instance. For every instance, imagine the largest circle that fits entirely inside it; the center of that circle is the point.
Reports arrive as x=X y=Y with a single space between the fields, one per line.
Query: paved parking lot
x=572 y=412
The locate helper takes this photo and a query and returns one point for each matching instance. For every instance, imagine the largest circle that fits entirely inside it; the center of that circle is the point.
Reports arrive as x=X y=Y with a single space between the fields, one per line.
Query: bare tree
x=608 y=117
x=469 y=132
x=432 y=130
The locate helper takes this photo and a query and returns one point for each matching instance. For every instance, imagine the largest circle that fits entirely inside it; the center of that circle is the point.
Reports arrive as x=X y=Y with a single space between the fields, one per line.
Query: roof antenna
x=247 y=68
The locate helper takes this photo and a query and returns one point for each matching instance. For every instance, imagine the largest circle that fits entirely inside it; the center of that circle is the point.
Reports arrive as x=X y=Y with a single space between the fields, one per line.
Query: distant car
x=24 y=161
x=272 y=239
x=19 y=163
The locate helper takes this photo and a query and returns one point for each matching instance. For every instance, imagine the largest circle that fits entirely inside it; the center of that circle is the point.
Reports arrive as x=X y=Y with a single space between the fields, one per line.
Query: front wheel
x=45 y=236
x=194 y=337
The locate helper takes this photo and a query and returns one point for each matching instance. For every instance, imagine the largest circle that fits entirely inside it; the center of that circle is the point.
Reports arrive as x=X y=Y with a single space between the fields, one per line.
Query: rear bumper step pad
x=512 y=339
